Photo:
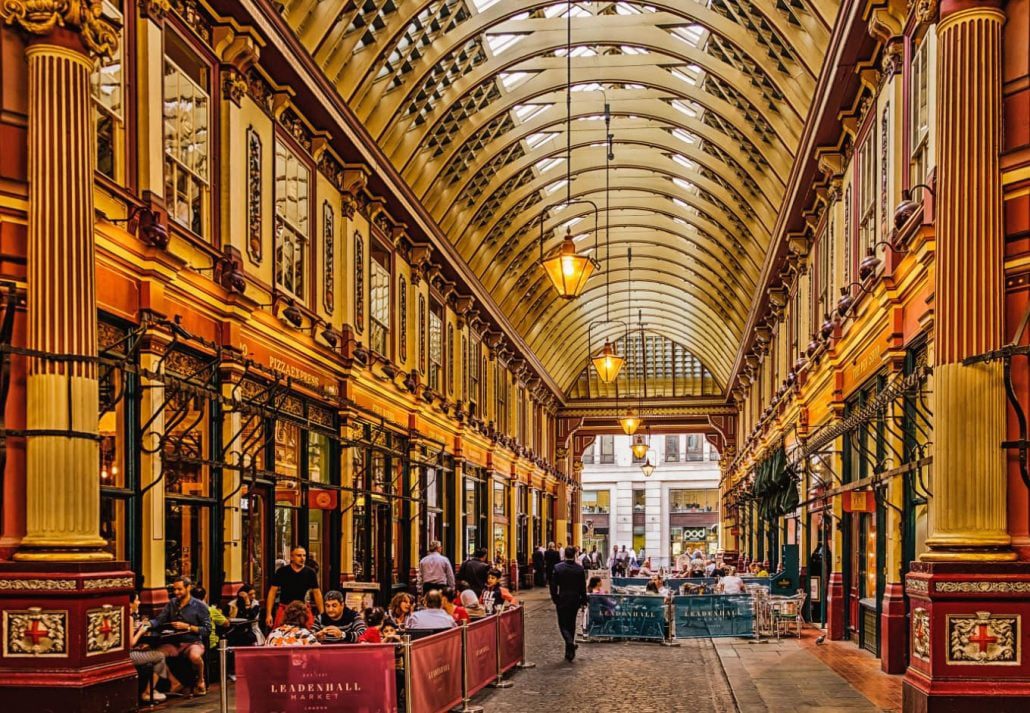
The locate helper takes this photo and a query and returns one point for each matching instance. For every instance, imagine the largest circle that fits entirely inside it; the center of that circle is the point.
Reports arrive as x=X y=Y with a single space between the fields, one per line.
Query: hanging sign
x=322 y=499
x=858 y=501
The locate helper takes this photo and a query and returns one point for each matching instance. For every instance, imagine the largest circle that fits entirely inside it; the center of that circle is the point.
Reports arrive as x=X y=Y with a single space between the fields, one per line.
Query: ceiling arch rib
x=467 y=100
x=644 y=148
x=482 y=158
x=402 y=135
x=529 y=37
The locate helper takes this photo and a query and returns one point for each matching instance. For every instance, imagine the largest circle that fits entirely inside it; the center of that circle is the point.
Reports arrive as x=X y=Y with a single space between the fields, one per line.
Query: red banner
x=481 y=654
x=436 y=672
x=510 y=638
x=322 y=499
x=305 y=679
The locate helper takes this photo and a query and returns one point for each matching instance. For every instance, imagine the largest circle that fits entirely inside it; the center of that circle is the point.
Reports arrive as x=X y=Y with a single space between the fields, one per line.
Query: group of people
x=171 y=647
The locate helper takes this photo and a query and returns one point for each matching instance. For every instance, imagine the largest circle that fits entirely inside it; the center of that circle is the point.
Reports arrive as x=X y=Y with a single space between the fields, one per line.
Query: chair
x=787 y=613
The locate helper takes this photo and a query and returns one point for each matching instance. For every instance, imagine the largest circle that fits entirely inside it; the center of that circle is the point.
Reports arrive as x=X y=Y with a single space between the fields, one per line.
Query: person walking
x=473 y=571
x=569 y=593
x=435 y=570
x=551 y=558
x=539 y=567
x=291 y=583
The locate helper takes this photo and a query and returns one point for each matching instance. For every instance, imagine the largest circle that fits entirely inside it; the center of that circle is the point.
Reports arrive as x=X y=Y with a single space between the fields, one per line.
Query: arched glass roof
x=707 y=102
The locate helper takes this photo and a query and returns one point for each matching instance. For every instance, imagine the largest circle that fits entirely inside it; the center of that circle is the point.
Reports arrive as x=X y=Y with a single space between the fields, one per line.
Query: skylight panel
x=624 y=8
x=685 y=185
x=591 y=117
x=483 y=5
x=691 y=109
x=570 y=224
x=510 y=80
x=534 y=140
x=557 y=185
x=691 y=74
x=499 y=43
x=685 y=136
x=548 y=163
x=693 y=35
x=683 y=161
x=525 y=112
x=631 y=49
x=681 y=203
x=588 y=87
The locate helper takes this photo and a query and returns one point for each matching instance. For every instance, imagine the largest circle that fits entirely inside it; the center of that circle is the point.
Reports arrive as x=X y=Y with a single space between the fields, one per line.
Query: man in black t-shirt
x=291 y=583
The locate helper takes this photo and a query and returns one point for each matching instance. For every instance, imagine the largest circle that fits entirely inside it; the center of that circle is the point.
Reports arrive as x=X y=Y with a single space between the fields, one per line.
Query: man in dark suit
x=473 y=571
x=569 y=593
x=551 y=558
x=539 y=566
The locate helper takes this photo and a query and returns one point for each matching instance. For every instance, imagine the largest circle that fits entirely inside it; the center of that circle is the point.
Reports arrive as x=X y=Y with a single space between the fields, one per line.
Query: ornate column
x=967 y=513
x=62 y=489
x=968 y=598
x=64 y=604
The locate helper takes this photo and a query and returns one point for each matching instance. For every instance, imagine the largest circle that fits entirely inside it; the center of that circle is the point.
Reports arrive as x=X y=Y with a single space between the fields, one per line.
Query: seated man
x=337 y=624
x=433 y=616
x=189 y=621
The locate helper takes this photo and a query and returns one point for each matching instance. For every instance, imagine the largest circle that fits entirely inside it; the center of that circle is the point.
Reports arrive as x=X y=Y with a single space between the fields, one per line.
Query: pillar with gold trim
x=968 y=597
x=64 y=604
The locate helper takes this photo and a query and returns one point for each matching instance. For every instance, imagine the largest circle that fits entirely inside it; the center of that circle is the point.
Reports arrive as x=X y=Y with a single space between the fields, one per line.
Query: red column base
x=835 y=607
x=967 y=637
x=893 y=630
x=66 y=637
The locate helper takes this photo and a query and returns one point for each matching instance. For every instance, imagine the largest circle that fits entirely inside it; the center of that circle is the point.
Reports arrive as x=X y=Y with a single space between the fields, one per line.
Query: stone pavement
x=699 y=676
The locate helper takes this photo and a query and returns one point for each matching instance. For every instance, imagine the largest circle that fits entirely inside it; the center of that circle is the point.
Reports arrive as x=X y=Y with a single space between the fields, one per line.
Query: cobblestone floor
x=699 y=676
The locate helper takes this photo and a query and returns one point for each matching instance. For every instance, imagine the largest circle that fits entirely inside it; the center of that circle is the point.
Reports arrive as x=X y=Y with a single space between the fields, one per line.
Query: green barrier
x=625 y=616
x=713 y=615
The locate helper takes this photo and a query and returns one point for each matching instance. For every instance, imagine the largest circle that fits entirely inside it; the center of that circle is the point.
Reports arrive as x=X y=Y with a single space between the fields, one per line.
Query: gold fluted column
x=967 y=512
x=62 y=509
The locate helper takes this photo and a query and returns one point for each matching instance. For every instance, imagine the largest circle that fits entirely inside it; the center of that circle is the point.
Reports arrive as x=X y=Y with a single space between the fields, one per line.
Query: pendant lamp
x=608 y=364
x=639 y=448
x=647 y=468
x=629 y=421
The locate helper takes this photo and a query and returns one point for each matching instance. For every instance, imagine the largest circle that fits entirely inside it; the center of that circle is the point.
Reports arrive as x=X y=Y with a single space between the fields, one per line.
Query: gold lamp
x=568 y=270
x=608 y=365
x=629 y=421
x=639 y=447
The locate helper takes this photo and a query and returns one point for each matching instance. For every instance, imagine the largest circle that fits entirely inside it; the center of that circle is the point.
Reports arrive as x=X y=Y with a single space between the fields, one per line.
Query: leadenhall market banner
x=713 y=615
x=626 y=616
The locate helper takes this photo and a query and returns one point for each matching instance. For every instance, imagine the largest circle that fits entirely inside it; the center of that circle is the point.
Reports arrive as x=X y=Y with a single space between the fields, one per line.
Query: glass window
x=596 y=501
x=292 y=194
x=187 y=541
x=252 y=512
x=474 y=376
x=502 y=398
x=186 y=136
x=695 y=500
x=607 y=449
x=450 y=358
x=186 y=446
x=695 y=449
x=588 y=454
x=920 y=111
x=435 y=348
x=672 y=449
x=500 y=498
x=639 y=500
x=108 y=90
x=318 y=457
x=379 y=327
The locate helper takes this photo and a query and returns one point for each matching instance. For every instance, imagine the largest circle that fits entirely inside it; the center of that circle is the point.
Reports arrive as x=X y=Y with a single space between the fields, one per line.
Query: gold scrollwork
x=36 y=585
x=41 y=17
x=991 y=587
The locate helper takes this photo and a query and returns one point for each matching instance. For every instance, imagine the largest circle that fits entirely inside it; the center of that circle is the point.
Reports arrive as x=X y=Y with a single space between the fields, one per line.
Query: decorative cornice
x=41 y=17
x=994 y=587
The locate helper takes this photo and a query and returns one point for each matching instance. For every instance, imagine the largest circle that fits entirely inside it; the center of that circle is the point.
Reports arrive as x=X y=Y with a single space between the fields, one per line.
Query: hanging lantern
x=568 y=270
x=647 y=468
x=639 y=448
x=630 y=422
x=608 y=365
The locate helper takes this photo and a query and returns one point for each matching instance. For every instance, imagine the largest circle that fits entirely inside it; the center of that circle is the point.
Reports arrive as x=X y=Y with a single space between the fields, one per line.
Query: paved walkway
x=699 y=676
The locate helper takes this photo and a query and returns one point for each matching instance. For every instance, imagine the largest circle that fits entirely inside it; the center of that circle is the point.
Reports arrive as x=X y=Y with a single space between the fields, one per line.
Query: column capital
x=953 y=7
x=42 y=17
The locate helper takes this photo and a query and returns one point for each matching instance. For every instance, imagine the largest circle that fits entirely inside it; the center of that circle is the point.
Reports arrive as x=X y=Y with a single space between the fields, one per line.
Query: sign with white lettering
x=624 y=616
x=306 y=679
x=713 y=615
x=436 y=672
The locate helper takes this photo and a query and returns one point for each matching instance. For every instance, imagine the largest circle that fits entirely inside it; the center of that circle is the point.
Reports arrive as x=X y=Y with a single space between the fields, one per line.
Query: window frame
x=121 y=172
x=435 y=350
x=303 y=160
x=376 y=326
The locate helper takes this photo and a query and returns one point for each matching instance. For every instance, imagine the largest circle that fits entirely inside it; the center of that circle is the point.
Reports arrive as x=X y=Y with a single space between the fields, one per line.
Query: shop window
x=379 y=307
x=596 y=502
x=187 y=136
x=672 y=449
x=252 y=514
x=292 y=209
x=500 y=499
x=435 y=348
x=318 y=457
x=607 y=449
x=108 y=92
x=639 y=538
x=695 y=449
x=921 y=90
x=187 y=541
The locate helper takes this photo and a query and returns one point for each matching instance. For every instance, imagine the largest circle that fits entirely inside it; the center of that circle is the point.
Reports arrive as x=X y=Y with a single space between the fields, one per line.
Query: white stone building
x=677 y=506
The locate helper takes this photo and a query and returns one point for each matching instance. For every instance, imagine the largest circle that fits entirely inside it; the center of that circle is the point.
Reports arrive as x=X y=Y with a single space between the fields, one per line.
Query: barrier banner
x=305 y=679
x=713 y=615
x=436 y=672
x=510 y=641
x=626 y=616
x=481 y=654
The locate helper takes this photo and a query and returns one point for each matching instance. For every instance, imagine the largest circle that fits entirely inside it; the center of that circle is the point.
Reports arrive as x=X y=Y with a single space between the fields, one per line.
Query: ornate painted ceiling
x=707 y=103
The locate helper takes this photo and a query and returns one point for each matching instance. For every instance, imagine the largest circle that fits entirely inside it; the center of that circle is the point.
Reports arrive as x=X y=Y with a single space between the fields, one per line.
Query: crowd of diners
x=171 y=647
